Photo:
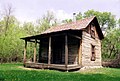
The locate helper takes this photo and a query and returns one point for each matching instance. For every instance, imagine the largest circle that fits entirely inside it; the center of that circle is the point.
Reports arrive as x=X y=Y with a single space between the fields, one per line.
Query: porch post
x=49 y=51
x=66 y=50
x=80 y=53
x=35 y=50
x=24 y=58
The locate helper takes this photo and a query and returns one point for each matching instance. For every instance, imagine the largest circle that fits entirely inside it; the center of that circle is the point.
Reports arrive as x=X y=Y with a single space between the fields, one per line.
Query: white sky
x=30 y=10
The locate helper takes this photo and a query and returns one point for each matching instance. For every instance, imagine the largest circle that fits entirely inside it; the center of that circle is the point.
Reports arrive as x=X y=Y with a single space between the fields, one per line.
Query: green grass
x=14 y=72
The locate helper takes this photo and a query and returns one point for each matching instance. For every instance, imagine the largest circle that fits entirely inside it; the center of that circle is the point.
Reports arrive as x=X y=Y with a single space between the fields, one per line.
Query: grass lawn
x=14 y=72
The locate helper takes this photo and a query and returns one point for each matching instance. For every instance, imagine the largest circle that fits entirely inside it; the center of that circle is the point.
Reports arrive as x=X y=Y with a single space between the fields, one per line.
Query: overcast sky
x=30 y=10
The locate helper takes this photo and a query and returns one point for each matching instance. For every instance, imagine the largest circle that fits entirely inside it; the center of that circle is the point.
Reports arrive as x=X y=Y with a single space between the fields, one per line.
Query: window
x=93 y=57
x=92 y=30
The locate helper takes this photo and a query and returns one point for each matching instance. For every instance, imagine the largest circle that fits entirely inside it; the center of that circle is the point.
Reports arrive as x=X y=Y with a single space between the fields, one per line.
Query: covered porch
x=61 y=51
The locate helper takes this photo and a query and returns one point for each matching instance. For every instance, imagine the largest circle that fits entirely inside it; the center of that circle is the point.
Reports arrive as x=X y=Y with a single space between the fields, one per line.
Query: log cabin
x=67 y=47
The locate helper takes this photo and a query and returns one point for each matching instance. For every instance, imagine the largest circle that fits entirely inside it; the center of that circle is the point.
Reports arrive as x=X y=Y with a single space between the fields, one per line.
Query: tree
x=66 y=21
x=10 y=43
x=79 y=16
x=5 y=24
x=29 y=28
x=46 y=22
x=119 y=22
x=7 y=17
x=105 y=19
x=111 y=45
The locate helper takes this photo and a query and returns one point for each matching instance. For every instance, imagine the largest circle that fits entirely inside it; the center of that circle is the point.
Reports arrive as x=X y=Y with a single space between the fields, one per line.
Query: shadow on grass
x=46 y=75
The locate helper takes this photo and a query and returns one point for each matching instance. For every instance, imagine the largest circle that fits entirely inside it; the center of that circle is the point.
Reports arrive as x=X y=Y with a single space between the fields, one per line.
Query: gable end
x=94 y=29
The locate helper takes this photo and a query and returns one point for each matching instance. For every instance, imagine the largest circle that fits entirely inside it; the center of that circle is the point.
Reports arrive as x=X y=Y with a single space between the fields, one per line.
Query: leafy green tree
x=10 y=33
x=105 y=19
x=79 y=16
x=29 y=28
x=67 y=21
x=111 y=45
x=46 y=22
x=10 y=44
x=119 y=22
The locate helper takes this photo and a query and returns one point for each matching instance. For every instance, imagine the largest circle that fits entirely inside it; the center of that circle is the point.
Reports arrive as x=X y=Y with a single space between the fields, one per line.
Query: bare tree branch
x=8 y=10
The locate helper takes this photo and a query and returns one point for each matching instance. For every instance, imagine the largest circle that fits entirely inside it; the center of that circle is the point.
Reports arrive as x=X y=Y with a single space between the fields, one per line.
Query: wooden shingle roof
x=78 y=25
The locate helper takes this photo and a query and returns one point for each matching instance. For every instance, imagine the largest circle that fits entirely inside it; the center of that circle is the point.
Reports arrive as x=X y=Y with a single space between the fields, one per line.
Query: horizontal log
x=78 y=37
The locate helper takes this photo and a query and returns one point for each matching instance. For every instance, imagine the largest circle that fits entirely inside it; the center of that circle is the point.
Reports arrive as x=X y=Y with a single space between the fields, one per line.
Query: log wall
x=73 y=47
x=87 y=41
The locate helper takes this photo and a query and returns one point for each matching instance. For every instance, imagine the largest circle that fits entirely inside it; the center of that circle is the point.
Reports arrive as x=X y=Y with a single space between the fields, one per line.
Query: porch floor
x=52 y=66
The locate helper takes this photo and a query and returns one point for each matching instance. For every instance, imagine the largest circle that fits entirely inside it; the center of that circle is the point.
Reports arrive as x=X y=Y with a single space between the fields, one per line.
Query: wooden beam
x=49 y=51
x=74 y=36
x=35 y=50
x=53 y=35
x=25 y=48
x=40 y=44
x=66 y=50
x=33 y=41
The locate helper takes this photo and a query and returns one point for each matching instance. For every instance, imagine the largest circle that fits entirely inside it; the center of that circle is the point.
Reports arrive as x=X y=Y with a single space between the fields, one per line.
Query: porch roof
x=78 y=25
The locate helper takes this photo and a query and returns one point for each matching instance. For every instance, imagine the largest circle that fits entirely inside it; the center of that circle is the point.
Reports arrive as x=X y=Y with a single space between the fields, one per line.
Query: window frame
x=93 y=54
